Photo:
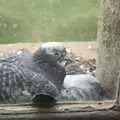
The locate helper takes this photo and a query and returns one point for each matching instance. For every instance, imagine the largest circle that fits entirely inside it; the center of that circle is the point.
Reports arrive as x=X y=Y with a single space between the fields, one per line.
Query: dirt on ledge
x=84 y=49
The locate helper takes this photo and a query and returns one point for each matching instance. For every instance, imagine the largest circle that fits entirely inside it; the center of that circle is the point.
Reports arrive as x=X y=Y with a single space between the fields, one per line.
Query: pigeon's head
x=53 y=52
x=56 y=50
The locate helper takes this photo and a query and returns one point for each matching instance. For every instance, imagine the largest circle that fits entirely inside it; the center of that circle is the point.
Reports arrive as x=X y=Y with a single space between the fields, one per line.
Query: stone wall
x=108 y=65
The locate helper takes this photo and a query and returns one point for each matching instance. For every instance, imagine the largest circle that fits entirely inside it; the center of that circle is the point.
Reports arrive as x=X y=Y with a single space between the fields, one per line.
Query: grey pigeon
x=37 y=78
x=81 y=87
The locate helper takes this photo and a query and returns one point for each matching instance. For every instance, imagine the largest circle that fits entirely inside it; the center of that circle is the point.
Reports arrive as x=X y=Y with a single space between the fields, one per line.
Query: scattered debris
x=79 y=65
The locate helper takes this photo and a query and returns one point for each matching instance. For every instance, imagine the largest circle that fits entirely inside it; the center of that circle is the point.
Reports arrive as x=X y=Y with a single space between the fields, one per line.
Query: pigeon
x=81 y=87
x=36 y=78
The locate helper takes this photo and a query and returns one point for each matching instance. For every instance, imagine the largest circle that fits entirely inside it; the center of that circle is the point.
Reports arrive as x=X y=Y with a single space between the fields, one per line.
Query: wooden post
x=108 y=65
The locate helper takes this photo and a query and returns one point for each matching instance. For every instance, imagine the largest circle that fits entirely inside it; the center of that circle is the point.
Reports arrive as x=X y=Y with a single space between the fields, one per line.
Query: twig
x=117 y=100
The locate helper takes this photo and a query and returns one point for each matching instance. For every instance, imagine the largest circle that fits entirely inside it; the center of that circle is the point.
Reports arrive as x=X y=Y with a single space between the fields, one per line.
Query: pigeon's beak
x=62 y=63
x=67 y=60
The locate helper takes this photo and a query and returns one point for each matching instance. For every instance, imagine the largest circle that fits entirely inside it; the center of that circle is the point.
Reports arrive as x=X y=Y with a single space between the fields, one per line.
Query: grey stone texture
x=108 y=65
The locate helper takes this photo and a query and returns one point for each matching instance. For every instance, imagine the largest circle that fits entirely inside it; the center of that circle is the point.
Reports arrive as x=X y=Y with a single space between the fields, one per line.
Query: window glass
x=35 y=67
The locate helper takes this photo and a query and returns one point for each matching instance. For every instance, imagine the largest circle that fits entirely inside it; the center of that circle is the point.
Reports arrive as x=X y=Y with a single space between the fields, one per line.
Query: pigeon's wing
x=21 y=59
x=91 y=92
x=74 y=93
x=10 y=83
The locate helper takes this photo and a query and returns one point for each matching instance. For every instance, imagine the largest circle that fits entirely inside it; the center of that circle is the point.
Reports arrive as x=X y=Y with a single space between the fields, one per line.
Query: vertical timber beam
x=108 y=65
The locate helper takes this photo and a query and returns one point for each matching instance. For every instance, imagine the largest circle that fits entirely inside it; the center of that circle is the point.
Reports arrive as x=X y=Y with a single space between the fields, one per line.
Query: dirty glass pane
x=48 y=51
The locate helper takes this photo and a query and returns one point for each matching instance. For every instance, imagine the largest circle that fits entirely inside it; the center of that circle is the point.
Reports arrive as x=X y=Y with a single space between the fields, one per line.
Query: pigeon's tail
x=45 y=92
x=44 y=100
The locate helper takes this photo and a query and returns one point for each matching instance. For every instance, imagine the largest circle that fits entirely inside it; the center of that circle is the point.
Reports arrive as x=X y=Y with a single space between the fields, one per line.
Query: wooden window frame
x=72 y=110
x=91 y=110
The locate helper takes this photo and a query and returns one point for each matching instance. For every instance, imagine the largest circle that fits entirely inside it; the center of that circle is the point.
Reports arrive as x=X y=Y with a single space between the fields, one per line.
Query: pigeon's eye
x=56 y=54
